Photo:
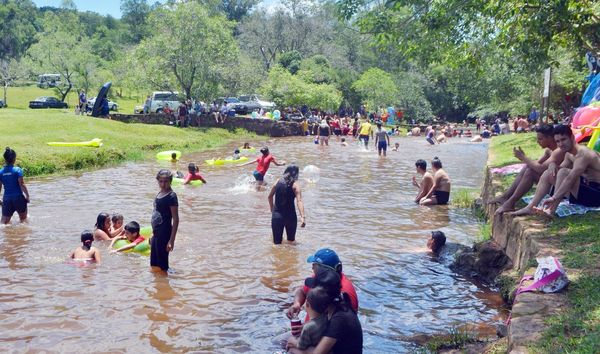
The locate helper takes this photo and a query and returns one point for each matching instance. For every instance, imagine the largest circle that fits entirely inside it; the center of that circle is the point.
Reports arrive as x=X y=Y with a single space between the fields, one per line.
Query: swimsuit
x=284 y=213
x=13 y=199
x=588 y=194
x=441 y=197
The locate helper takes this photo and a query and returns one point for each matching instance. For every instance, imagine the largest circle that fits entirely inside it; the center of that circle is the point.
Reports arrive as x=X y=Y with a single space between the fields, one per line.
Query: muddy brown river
x=229 y=285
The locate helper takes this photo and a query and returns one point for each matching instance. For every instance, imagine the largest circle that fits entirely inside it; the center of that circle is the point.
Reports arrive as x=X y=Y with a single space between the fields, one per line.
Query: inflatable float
x=247 y=150
x=92 y=143
x=142 y=248
x=166 y=155
x=588 y=116
x=220 y=162
x=179 y=182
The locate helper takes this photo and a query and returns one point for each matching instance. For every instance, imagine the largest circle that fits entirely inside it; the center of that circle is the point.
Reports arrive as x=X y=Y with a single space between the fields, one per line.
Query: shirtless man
x=439 y=194
x=426 y=180
x=530 y=174
x=578 y=177
x=86 y=252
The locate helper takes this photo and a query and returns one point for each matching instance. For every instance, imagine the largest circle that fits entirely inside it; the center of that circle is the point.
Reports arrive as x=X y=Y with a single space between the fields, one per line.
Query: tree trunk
x=5 y=89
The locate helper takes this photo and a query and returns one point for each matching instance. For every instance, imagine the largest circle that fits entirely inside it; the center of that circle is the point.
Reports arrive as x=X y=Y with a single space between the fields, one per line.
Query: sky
x=107 y=7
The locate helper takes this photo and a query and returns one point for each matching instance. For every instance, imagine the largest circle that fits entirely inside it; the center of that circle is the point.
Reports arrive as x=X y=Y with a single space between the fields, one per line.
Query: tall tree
x=135 y=14
x=377 y=89
x=236 y=10
x=188 y=50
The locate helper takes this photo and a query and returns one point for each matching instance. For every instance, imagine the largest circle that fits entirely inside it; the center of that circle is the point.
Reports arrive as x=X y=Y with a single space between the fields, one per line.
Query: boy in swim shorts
x=86 y=252
x=132 y=234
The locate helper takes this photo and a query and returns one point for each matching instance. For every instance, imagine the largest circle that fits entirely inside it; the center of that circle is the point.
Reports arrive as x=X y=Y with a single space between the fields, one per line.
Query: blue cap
x=325 y=256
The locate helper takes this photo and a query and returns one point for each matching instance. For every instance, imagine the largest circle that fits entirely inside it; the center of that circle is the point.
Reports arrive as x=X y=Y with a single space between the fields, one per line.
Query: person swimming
x=344 y=143
x=247 y=146
x=193 y=174
x=396 y=147
x=131 y=234
x=174 y=157
x=236 y=154
x=86 y=252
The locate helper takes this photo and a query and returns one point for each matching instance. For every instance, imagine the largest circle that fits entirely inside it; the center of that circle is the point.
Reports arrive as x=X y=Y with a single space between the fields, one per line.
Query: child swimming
x=132 y=234
x=86 y=252
x=396 y=147
x=236 y=154
x=247 y=146
x=344 y=143
x=193 y=174
x=174 y=157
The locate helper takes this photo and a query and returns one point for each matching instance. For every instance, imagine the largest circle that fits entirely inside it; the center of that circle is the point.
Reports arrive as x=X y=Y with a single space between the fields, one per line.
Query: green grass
x=455 y=339
x=19 y=97
x=501 y=148
x=464 y=197
x=28 y=131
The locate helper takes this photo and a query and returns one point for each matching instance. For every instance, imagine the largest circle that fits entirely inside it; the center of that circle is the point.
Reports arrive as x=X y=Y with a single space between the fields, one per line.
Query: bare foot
x=521 y=212
x=504 y=208
x=497 y=200
x=545 y=213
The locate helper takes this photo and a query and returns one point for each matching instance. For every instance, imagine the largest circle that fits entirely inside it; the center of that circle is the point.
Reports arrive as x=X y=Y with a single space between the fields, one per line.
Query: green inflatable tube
x=166 y=155
x=179 y=182
x=142 y=248
x=220 y=162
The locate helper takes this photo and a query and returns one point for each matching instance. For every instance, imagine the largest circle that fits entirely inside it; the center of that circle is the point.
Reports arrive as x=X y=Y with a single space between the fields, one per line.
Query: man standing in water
x=578 y=177
x=439 y=194
x=382 y=140
x=263 y=163
x=426 y=180
x=365 y=130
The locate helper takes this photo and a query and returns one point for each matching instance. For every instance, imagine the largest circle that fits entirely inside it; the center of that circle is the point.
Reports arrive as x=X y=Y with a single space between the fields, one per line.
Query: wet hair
x=10 y=156
x=436 y=163
x=87 y=237
x=264 y=151
x=192 y=167
x=562 y=129
x=165 y=173
x=422 y=164
x=174 y=156
x=343 y=140
x=318 y=299
x=236 y=151
x=132 y=227
x=439 y=240
x=116 y=217
x=290 y=175
x=101 y=220
x=545 y=130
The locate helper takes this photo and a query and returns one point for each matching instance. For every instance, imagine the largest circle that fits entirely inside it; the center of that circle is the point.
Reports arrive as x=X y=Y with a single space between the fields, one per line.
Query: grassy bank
x=577 y=329
x=28 y=131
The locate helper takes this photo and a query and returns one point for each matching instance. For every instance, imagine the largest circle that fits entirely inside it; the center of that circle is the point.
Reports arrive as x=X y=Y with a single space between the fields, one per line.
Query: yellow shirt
x=365 y=128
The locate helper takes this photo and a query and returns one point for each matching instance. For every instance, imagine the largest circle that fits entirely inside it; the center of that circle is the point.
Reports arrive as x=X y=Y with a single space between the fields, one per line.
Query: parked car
x=255 y=103
x=162 y=98
x=2 y=104
x=48 y=80
x=47 y=102
x=235 y=104
x=112 y=106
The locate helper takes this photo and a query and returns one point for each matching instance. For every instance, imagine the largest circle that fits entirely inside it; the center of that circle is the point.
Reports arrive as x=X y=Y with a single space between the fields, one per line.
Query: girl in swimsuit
x=86 y=252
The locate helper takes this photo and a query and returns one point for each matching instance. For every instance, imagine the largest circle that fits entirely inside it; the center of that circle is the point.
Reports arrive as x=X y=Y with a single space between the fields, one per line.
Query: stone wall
x=259 y=126
x=523 y=239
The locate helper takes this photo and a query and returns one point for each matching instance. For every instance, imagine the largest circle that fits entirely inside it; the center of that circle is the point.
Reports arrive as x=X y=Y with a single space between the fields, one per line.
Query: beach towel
x=508 y=170
x=565 y=208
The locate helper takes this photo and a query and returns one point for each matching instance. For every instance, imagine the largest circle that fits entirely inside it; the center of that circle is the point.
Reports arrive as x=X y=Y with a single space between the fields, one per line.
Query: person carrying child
x=131 y=234
x=86 y=252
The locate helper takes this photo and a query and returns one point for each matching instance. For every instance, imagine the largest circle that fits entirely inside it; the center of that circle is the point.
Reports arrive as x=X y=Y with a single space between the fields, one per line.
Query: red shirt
x=139 y=240
x=193 y=177
x=347 y=288
x=263 y=164
x=334 y=124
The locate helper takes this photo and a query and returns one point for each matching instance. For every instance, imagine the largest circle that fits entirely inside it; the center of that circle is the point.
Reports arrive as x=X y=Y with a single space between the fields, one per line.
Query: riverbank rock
x=486 y=261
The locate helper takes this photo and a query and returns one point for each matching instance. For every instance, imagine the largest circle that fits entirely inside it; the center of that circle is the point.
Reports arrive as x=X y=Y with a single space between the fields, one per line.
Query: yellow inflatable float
x=220 y=162
x=92 y=143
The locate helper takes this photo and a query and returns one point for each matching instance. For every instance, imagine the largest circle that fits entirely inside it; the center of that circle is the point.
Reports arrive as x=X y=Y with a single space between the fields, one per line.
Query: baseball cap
x=325 y=277
x=325 y=256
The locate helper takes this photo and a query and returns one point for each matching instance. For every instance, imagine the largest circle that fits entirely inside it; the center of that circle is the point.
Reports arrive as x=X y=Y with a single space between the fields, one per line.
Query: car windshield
x=244 y=98
x=232 y=100
x=42 y=99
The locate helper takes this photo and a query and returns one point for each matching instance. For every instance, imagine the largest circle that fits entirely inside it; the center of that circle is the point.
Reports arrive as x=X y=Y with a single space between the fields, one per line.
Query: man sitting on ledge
x=578 y=177
x=531 y=172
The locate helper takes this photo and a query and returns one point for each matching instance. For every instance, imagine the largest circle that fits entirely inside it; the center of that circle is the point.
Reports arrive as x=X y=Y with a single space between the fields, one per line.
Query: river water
x=229 y=286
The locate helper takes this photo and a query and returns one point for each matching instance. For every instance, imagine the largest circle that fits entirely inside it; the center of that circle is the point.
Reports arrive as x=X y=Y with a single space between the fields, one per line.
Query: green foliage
x=501 y=148
x=290 y=60
x=18 y=26
x=464 y=197
x=455 y=339
x=187 y=51
x=27 y=131
x=135 y=15
x=377 y=89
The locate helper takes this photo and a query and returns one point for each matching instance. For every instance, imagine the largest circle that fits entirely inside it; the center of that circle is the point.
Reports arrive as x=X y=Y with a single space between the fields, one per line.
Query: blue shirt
x=9 y=176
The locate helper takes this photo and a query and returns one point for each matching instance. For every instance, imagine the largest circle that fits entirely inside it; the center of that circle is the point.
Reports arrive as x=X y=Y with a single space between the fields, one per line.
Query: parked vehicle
x=161 y=98
x=47 y=102
x=112 y=106
x=255 y=103
x=48 y=80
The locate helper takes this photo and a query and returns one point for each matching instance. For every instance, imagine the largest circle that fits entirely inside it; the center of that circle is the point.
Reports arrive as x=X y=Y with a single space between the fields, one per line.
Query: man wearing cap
x=329 y=259
x=344 y=331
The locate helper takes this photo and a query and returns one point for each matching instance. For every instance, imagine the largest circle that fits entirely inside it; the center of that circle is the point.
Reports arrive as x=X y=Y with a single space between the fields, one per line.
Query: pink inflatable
x=588 y=115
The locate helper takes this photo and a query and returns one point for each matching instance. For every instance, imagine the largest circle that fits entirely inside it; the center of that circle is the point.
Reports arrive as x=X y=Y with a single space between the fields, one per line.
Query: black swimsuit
x=284 y=213
x=161 y=230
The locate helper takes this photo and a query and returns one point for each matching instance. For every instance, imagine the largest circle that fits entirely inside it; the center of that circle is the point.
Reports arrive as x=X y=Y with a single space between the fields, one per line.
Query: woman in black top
x=283 y=210
x=324 y=132
x=165 y=221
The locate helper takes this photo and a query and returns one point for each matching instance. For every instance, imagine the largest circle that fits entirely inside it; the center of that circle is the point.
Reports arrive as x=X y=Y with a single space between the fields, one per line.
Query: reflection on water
x=230 y=286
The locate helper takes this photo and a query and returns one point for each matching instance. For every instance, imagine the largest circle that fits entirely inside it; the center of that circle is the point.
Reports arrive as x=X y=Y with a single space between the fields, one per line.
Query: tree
x=60 y=50
x=135 y=14
x=377 y=89
x=236 y=10
x=187 y=50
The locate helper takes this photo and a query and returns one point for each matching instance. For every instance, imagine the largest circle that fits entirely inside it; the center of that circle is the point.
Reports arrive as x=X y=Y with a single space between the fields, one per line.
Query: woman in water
x=16 y=195
x=165 y=222
x=282 y=208
x=324 y=133
x=102 y=230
